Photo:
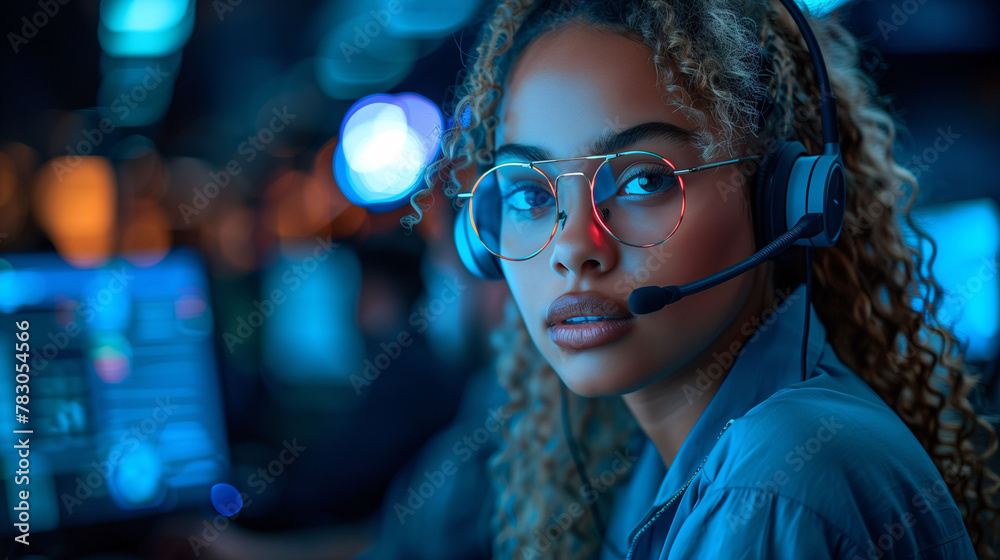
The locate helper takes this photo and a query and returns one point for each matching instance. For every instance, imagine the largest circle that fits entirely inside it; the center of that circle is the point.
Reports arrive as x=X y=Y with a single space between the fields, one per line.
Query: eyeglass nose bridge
x=561 y=217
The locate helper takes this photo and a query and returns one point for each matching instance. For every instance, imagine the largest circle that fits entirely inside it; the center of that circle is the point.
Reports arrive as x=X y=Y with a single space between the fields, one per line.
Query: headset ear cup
x=772 y=190
x=817 y=186
x=479 y=261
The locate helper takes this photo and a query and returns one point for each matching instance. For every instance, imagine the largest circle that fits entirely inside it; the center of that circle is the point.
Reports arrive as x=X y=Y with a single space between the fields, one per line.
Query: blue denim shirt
x=820 y=468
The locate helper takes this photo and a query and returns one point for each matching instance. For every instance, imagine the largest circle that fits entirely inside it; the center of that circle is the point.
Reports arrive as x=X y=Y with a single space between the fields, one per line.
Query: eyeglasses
x=637 y=197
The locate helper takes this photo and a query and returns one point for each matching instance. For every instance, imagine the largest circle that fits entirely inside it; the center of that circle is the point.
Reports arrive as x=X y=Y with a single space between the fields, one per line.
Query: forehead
x=571 y=85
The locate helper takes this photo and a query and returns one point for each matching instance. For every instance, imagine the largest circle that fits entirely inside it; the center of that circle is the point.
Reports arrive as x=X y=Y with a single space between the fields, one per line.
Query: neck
x=668 y=409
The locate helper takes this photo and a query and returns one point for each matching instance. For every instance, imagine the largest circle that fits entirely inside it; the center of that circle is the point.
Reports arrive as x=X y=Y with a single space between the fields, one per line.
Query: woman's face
x=568 y=88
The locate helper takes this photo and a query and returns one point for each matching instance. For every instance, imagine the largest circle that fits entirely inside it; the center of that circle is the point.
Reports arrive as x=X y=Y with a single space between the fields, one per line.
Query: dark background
x=935 y=60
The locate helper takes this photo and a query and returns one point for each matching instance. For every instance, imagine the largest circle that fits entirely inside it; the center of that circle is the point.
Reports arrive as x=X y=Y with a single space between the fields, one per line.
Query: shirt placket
x=657 y=520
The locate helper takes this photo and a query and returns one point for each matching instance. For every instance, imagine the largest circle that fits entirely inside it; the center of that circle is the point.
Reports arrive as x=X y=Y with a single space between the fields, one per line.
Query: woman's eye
x=528 y=197
x=647 y=183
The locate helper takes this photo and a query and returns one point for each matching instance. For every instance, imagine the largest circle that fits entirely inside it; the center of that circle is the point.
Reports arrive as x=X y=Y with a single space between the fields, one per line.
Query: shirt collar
x=769 y=361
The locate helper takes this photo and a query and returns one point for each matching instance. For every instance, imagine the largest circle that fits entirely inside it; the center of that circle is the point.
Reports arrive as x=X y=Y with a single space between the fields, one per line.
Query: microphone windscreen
x=647 y=300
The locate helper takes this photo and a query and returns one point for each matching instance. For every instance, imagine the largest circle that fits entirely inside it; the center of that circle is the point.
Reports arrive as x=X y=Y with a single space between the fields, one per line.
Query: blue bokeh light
x=312 y=338
x=427 y=19
x=351 y=63
x=967 y=235
x=150 y=28
x=142 y=15
x=386 y=142
x=820 y=7
x=226 y=499
x=136 y=481
x=19 y=288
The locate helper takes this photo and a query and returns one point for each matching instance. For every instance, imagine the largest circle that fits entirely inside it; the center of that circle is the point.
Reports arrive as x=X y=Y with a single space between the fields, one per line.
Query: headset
x=798 y=199
x=792 y=189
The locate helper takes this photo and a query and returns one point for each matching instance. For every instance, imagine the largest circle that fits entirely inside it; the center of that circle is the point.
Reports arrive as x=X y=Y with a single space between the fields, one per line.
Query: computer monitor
x=124 y=405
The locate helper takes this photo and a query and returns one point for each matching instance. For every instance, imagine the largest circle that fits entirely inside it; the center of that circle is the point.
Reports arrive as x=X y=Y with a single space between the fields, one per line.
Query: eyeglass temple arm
x=711 y=165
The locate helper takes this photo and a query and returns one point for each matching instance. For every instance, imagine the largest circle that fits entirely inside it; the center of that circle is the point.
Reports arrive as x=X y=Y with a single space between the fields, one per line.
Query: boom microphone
x=654 y=298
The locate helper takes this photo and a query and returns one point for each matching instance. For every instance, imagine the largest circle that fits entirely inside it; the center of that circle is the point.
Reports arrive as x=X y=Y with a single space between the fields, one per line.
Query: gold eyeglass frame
x=553 y=186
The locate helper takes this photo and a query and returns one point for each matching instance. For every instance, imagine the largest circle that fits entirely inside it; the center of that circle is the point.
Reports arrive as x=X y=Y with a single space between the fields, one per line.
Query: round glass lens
x=639 y=198
x=514 y=210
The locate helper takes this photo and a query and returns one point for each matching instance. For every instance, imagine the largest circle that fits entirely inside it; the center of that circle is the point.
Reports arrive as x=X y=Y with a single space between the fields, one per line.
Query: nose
x=581 y=246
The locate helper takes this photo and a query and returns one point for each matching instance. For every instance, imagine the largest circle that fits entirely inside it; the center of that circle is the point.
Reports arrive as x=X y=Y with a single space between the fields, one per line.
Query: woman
x=699 y=435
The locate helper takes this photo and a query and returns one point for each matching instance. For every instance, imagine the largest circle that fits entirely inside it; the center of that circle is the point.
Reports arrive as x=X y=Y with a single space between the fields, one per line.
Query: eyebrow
x=608 y=143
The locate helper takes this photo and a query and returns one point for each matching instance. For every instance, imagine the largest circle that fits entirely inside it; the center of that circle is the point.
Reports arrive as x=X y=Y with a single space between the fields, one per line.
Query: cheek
x=526 y=282
x=716 y=233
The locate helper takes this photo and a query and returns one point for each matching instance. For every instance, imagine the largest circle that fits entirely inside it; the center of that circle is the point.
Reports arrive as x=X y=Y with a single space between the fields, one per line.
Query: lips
x=586 y=304
x=587 y=320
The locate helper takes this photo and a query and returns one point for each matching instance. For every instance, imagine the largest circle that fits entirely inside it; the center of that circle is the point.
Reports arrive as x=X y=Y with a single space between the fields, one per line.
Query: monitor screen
x=123 y=415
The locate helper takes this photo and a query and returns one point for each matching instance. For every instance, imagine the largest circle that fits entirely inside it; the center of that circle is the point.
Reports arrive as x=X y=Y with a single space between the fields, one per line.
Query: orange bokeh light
x=297 y=205
x=75 y=202
x=146 y=236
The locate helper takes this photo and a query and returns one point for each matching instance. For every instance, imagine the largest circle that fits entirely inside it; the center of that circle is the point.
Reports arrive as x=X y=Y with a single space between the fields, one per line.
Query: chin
x=600 y=377
x=587 y=385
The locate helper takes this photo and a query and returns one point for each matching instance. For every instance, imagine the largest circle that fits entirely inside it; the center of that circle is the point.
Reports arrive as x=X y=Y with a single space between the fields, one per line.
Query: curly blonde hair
x=738 y=69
